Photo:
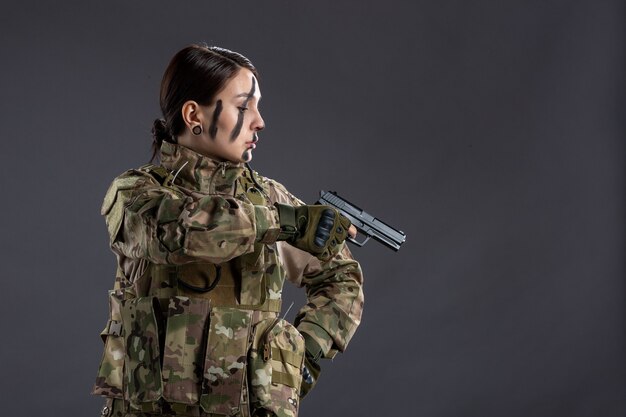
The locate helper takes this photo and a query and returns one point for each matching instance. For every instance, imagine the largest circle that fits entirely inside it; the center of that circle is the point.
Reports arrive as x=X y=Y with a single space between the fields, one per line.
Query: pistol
x=365 y=223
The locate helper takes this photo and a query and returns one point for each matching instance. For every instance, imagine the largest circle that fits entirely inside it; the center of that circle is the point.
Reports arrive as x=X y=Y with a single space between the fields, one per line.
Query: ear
x=192 y=113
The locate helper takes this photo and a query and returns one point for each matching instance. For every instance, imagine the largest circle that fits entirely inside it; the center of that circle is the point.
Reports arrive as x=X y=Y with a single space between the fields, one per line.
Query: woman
x=203 y=246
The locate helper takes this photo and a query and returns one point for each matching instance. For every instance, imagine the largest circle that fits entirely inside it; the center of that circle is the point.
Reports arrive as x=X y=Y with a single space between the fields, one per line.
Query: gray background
x=491 y=132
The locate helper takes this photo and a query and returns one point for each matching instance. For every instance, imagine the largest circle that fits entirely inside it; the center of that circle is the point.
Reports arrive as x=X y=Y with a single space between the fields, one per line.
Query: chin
x=246 y=157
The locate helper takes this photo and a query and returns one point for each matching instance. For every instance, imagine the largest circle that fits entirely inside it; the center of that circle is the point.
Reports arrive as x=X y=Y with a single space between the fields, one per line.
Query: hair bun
x=160 y=132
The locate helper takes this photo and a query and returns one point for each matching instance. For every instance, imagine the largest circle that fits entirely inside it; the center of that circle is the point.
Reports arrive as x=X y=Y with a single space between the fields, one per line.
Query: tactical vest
x=202 y=339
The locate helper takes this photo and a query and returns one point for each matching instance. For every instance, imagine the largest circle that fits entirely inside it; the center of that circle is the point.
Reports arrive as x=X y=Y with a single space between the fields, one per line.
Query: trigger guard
x=356 y=242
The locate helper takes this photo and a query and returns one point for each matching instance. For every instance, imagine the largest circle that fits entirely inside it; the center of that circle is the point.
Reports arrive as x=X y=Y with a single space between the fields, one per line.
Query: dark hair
x=196 y=72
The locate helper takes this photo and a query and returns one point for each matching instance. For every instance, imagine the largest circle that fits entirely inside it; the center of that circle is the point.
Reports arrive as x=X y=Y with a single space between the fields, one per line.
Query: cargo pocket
x=275 y=367
x=183 y=353
x=142 y=375
x=225 y=360
x=109 y=382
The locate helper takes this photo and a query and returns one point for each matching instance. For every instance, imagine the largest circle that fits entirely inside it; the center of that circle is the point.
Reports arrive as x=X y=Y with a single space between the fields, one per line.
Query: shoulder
x=278 y=192
x=132 y=182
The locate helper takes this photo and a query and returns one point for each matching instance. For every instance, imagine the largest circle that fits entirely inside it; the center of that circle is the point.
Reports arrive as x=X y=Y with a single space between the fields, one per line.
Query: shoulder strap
x=158 y=172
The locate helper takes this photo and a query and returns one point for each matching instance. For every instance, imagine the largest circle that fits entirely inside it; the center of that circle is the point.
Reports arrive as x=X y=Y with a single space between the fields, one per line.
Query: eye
x=242 y=109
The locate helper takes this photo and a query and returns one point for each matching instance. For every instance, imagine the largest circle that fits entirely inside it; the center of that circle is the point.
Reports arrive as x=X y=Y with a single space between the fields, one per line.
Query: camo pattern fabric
x=109 y=381
x=142 y=371
x=189 y=221
x=224 y=368
x=182 y=358
x=275 y=368
x=178 y=358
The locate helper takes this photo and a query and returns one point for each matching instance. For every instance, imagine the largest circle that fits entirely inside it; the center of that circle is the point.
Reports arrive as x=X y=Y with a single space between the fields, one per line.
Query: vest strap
x=285 y=378
x=292 y=358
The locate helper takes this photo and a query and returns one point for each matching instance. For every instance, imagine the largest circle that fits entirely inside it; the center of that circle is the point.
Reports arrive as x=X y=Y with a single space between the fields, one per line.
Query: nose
x=258 y=123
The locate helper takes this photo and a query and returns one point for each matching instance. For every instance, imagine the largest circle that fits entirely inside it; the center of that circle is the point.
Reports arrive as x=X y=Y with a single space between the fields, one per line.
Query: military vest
x=203 y=339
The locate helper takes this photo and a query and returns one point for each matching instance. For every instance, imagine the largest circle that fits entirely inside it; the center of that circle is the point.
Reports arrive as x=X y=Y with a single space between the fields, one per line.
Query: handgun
x=365 y=223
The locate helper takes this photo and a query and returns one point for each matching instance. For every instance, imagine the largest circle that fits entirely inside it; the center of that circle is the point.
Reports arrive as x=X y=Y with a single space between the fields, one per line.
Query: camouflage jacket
x=193 y=326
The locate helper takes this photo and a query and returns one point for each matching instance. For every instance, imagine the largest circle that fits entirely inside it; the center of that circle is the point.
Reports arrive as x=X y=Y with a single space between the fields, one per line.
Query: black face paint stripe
x=237 y=129
x=216 y=115
x=246 y=156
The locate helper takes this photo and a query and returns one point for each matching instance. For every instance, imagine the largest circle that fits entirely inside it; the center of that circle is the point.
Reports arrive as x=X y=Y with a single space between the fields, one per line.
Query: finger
x=324 y=228
x=352 y=231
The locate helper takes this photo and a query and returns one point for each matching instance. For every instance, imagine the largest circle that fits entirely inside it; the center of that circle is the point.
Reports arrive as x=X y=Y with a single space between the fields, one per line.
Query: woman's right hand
x=317 y=229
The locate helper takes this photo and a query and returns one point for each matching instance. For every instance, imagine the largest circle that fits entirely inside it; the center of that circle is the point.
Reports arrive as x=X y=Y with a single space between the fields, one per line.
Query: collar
x=197 y=172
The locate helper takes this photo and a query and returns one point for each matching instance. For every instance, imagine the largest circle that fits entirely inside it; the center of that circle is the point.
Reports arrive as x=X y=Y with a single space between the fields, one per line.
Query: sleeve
x=334 y=289
x=162 y=225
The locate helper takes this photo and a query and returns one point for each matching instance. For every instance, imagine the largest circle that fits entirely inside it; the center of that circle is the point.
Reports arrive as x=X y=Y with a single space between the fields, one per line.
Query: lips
x=252 y=144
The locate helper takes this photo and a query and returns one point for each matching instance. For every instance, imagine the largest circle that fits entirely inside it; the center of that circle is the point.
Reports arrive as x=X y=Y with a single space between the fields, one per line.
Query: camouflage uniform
x=194 y=325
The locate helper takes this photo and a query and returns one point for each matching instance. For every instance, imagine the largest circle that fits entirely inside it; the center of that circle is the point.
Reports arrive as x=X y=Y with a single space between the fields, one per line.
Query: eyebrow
x=247 y=95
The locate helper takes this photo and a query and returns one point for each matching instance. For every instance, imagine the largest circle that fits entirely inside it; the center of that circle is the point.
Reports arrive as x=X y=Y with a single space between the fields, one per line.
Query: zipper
x=256 y=183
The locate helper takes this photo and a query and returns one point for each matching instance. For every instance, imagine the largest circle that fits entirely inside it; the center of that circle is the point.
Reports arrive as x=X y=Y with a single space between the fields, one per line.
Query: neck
x=190 y=142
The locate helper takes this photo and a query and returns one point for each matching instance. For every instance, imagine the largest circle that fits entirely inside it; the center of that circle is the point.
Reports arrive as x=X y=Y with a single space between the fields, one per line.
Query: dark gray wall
x=491 y=132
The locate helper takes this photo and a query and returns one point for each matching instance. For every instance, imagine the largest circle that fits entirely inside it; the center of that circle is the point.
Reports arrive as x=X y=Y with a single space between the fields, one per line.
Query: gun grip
x=356 y=242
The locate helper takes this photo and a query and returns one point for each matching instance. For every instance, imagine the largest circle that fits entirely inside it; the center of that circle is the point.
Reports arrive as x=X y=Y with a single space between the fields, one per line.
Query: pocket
x=109 y=382
x=142 y=375
x=183 y=355
x=276 y=367
x=225 y=360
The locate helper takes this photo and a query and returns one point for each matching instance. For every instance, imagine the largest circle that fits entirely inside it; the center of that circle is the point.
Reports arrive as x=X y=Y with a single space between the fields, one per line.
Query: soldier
x=203 y=246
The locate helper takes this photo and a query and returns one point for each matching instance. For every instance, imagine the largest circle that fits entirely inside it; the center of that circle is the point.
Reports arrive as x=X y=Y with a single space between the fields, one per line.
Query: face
x=230 y=125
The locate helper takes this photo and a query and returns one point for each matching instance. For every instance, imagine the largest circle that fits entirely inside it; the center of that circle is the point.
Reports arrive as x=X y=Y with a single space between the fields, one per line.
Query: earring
x=196 y=130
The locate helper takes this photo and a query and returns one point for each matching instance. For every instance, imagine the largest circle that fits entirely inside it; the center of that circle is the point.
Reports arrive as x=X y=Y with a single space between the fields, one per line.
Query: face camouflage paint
x=237 y=128
x=216 y=115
